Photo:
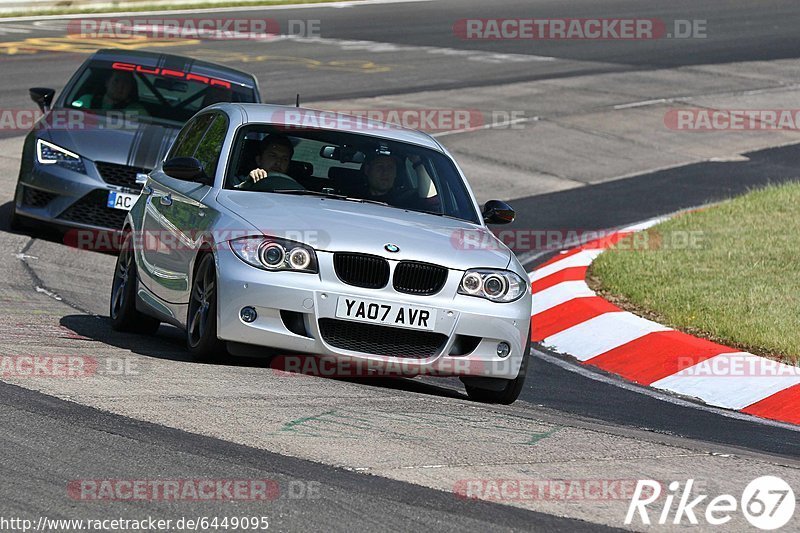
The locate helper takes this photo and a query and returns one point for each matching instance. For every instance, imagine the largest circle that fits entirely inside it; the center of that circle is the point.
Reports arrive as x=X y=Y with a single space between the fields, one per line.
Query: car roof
x=302 y=117
x=182 y=63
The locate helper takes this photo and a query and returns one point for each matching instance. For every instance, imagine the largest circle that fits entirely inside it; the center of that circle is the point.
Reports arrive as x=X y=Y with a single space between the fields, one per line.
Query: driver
x=121 y=93
x=274 y=155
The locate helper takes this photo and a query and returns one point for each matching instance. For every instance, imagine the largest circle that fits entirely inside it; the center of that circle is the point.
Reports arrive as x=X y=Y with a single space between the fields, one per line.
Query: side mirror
x=498 y=212
x=186 y=169
x=42 y=96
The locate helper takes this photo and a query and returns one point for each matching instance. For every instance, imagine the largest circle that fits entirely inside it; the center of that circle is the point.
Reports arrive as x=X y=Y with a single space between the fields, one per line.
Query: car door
x=175 y=216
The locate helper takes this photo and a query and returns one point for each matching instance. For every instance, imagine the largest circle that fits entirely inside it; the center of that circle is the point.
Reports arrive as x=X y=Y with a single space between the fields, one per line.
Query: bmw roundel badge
x=393 y=248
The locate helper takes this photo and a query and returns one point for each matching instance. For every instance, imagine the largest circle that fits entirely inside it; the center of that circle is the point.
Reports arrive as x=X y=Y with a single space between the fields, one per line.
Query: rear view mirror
x=42 y=96
x=186 y=169
x=498 y=212
x=342 y=154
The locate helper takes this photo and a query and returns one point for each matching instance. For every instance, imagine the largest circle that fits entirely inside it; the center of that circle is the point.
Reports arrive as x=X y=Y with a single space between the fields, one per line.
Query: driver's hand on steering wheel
x=257 y=174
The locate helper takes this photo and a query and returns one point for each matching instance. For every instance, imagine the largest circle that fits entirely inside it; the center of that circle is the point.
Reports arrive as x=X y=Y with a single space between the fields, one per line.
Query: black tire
x=122 y=305
x=510 y=390
x=201 y=319
x=14 y=220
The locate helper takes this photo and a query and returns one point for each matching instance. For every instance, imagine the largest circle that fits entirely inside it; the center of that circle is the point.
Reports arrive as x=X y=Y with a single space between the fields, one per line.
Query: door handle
x=166 y=199
x=147 y=190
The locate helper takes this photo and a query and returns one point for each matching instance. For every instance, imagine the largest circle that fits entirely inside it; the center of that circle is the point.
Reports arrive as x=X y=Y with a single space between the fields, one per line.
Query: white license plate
x=121 y=200
x=387 y=314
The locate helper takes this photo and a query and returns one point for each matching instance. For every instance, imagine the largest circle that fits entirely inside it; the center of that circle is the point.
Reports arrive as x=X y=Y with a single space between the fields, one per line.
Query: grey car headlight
x=272 y=253
x=48 y=153
x=496 y=285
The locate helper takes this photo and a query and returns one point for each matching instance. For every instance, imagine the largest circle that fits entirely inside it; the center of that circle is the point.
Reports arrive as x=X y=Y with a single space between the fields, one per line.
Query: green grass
x=738 y=283
x=156 y=7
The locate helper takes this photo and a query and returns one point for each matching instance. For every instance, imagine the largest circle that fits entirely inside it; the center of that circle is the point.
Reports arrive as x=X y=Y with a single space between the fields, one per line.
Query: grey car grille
x=361 y=270
x=422 y=279
x=121 y=175
x=35 y=198
x=380 y=340
x=92 y=210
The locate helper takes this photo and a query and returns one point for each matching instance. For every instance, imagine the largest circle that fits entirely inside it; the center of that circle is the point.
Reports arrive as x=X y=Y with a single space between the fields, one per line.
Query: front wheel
x=201 y=323
x=14 y=222
x=122 y=309
x=506 y=391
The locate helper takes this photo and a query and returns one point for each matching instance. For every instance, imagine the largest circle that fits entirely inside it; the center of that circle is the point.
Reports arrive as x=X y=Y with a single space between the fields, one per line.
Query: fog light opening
x=248 y=314
x=503 y=349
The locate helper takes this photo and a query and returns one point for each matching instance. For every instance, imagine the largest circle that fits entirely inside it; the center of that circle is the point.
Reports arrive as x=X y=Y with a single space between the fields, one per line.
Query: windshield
x=157 y=93
x=348 y=165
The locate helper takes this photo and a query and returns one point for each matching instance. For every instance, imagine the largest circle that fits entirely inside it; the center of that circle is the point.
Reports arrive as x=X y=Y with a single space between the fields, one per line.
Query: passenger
x=380 y=171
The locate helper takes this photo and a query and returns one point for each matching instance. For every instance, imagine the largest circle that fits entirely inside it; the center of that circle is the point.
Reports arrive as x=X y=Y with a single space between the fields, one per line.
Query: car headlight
x=48 y=153
x=271 y=253
x=495 y=285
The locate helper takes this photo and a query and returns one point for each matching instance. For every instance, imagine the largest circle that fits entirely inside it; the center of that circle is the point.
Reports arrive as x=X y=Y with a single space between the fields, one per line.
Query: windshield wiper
x=305 y=192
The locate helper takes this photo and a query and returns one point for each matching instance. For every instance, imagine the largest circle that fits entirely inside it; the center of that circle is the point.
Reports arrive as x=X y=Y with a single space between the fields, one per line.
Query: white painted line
x=558 y=294
x=13 y=29
x=592 y=374
x=735 y=158
x=231 y=9
x=501 y=124
x=376 y=47
x=581 y=259
x=642 y=103
x=732 y=380
x=49 y=293
x=601 y=334
x=647 y=224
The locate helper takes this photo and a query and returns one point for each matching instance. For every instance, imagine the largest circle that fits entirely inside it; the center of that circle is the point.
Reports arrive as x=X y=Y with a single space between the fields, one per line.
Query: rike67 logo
x=767 y=503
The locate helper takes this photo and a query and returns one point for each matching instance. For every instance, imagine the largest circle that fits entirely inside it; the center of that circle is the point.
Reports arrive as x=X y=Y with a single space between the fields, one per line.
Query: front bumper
x=51 y=193
x=290 y=306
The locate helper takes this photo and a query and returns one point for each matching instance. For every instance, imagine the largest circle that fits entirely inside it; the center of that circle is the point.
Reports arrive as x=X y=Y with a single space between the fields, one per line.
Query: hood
x=101 y=138
x=343 y=226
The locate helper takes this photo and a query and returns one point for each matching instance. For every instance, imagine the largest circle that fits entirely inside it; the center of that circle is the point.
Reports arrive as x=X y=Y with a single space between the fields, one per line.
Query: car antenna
x=297 y=100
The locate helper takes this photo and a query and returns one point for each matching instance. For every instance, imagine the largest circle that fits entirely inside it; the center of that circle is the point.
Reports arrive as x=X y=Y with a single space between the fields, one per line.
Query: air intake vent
x=380 y=340
x=367 y=271
x=419 y=278
x=92 y=210
x=121 y=175
x=36 y=198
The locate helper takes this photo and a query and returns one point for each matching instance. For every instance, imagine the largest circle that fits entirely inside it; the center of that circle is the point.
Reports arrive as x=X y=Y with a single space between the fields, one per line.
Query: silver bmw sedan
x=282 y=231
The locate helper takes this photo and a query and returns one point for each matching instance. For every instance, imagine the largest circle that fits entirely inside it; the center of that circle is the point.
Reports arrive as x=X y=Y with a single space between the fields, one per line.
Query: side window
x=190 y=136
x=208 y=151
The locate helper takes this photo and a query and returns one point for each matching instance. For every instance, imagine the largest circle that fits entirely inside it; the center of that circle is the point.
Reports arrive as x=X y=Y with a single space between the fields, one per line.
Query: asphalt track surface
x=65 y=437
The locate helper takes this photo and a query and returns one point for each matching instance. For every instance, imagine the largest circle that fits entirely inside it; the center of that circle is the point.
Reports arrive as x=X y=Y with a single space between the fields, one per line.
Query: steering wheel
x=276 y=181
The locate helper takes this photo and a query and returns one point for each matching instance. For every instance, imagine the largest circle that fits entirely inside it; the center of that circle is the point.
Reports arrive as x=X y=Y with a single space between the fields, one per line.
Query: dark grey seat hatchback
x=86 y=159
